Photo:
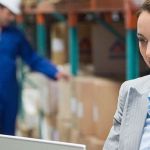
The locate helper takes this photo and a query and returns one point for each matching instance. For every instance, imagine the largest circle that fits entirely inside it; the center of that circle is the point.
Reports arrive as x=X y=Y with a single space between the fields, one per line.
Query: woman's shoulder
x=140 y=84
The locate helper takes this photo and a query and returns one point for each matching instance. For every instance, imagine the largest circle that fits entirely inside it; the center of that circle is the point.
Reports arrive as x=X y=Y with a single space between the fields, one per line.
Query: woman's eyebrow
x=140 y=35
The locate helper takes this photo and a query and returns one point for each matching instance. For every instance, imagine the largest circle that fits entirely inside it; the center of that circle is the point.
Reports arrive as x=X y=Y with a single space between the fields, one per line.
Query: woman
x=131 y=126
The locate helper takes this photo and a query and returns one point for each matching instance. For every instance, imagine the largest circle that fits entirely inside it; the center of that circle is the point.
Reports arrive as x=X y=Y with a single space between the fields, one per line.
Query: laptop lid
x=20 y=143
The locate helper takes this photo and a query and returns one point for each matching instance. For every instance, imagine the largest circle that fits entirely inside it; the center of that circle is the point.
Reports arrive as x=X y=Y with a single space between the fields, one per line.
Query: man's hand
x=62 y=75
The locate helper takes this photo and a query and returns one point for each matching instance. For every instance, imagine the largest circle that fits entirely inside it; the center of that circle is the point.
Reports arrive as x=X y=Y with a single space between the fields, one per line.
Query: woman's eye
x=142 y=40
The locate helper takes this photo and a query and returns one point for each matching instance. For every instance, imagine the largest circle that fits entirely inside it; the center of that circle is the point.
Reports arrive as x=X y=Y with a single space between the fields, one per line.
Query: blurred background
x=95 y=42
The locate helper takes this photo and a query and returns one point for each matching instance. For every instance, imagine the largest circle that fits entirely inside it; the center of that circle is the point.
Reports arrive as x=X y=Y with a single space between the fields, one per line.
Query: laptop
x=21 y=143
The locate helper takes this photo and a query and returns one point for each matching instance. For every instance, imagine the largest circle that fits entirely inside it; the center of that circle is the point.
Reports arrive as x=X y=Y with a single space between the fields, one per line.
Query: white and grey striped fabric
x=145 y=141
x=130 y=117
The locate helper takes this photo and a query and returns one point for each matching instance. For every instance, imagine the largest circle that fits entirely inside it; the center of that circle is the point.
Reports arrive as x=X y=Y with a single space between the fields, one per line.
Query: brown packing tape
x=64 y=129
x=91 y=142
x=94 y=144
x=75 y=135
x=51 y=120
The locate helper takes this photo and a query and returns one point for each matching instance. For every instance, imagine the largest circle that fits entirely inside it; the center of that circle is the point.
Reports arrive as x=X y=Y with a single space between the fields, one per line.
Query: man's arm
x=36 y=62
x=112 y=141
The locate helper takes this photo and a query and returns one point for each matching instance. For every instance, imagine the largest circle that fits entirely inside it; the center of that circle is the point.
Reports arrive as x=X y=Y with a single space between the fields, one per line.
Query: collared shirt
x=145 y=141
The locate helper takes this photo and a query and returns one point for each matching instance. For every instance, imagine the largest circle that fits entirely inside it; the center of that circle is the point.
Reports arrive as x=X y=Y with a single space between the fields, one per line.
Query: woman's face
x=143 y=34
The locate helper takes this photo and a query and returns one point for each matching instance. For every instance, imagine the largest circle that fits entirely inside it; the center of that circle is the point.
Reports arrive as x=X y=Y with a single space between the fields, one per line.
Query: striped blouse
x=145 y=141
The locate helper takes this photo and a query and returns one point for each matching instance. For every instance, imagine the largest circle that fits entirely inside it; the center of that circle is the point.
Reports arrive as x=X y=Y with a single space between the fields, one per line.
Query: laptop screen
x=20 y=143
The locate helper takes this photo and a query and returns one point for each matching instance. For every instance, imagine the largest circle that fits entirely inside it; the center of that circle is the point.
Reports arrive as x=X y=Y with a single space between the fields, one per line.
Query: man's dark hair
x=1 y=6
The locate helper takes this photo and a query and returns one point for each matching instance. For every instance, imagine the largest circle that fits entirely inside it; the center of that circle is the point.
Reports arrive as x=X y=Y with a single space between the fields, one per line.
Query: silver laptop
x=20 y=143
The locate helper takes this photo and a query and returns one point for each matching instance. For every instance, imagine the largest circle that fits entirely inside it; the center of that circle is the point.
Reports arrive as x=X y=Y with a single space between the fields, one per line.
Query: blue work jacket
x=13 y=44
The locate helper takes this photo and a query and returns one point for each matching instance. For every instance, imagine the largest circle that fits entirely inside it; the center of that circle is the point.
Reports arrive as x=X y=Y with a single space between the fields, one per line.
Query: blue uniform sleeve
x=36 y=62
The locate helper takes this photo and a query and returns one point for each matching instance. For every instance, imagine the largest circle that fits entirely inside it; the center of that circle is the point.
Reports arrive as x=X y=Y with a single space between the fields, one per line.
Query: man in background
x=13 y=44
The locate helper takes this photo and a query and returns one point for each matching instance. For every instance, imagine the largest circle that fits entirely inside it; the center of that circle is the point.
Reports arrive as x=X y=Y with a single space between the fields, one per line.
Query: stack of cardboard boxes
x=91 y=104
x=40 y=107
x=79 y=111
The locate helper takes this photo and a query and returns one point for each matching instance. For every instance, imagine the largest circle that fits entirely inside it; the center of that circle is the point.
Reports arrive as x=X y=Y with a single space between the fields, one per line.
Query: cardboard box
x=85 y=102
x=48 y=128
x=97 y=100
x=64 y=129
x=47 y=90
x=65 y=95
x=104 y=107
x=91 y=142
x=75 y=135
x=94 y=144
